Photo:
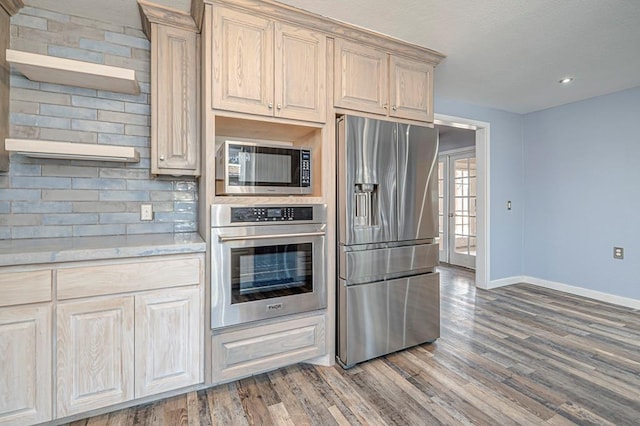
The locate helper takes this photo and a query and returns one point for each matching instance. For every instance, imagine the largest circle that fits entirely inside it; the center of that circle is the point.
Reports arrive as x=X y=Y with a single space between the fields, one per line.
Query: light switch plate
x=618 y=253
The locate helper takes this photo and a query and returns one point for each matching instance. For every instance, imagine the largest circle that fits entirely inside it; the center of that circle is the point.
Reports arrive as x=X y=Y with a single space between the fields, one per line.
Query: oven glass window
x=271 y=271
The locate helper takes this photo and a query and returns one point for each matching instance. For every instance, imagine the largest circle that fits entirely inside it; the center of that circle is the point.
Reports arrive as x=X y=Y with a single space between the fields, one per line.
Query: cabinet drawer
x=18 y=288
x=241 y=353
x=126 y=277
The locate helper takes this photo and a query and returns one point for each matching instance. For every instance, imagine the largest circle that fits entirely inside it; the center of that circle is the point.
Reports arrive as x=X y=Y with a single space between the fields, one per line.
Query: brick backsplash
x=65 y=198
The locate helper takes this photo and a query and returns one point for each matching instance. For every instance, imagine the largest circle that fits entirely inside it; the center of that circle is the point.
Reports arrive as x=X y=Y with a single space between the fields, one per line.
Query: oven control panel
x=271 y=214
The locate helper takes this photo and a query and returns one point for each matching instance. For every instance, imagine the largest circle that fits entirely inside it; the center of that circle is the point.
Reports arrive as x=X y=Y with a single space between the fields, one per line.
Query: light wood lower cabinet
x=25 y=364
x=96 y=339
x=95 y=354
x=241 y=353
x=168 y=341
x=124 y=329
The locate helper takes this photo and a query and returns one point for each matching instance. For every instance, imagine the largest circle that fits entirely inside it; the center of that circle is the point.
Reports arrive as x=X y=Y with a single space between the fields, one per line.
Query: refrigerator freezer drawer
x=383 y=317
x=375 y=265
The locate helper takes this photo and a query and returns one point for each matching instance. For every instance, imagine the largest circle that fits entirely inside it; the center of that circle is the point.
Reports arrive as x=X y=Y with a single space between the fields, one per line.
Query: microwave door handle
x=223 y=239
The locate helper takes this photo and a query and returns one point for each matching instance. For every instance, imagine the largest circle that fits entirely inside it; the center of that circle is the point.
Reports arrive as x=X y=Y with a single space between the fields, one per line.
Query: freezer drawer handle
x=264 y=237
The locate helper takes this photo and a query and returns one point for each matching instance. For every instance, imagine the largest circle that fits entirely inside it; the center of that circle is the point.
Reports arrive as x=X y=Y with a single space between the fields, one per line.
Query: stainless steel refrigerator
x=388 y=291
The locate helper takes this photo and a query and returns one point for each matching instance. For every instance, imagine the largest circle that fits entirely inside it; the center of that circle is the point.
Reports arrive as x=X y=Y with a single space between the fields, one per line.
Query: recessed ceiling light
x=566 y=80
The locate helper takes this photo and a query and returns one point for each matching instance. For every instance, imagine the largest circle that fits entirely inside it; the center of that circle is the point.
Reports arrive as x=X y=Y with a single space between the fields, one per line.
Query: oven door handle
x=223 y=239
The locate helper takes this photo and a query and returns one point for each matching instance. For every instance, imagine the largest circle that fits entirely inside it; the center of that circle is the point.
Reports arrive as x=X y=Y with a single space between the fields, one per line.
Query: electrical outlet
x=146 y=211
x=618 y=253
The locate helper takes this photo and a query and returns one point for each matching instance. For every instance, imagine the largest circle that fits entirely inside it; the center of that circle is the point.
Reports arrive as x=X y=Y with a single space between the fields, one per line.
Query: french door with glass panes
x=457 y=208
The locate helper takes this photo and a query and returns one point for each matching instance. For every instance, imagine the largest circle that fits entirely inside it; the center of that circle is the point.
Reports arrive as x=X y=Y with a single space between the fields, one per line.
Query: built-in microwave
x=252 y=167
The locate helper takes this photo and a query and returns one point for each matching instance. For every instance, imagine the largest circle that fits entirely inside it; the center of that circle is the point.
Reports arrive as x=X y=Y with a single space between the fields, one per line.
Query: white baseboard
x=566 y=288
x=585 y=292
x=505 y=281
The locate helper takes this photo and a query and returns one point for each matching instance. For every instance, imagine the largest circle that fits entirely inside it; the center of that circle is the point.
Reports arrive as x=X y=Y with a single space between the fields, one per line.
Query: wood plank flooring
x=518 y=355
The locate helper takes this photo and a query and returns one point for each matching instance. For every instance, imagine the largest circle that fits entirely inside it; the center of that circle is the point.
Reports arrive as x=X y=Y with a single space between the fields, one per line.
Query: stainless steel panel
x=373 y=265
x=383 y=317
x=417 y=182
x=366 y=180
x=221 y=215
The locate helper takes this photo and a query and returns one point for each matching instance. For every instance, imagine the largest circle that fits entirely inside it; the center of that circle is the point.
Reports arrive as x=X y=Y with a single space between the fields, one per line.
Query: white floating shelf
x=72 y=151
x=50 y=69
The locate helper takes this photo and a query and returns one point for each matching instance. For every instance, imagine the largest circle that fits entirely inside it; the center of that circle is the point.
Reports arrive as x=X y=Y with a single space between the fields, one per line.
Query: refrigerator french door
x=389 y=293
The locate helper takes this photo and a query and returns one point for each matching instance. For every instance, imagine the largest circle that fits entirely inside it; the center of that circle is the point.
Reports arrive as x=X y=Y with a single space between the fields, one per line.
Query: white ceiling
x=505 y=54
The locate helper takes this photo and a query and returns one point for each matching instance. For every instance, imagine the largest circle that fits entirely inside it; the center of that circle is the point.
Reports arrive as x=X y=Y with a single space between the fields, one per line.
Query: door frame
x=482 y=130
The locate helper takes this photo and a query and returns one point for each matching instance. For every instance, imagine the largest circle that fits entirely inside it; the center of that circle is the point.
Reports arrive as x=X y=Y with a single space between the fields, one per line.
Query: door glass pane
x=465 y=205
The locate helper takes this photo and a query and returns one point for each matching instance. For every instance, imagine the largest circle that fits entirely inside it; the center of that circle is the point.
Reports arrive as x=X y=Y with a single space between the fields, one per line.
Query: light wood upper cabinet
x=410 y=88
x=95 y=365
x=175 y=89
x=25 y=370
x=166 y=359
x=361 y=77
x=268 y=68
x=242 y=68
x=371 y=80
x=174 y=101
x=300 y=73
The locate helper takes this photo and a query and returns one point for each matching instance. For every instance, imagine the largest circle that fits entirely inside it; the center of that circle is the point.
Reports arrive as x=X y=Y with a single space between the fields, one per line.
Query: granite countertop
x=50 y=250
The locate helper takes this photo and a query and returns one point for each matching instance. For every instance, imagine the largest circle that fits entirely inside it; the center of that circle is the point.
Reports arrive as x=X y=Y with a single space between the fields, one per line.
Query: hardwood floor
x=513 y=355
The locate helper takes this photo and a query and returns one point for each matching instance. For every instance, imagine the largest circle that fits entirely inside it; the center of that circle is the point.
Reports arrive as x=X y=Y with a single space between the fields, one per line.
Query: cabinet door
x=361 y=78
x=242 y=57
x=174 y=102
x=25 y=364
x=95 y=354
x=300 y=73
x=168 y=341
x=411 y=89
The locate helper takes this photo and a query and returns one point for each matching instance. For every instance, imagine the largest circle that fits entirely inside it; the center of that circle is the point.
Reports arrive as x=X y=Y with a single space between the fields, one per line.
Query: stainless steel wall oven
x=267 y=261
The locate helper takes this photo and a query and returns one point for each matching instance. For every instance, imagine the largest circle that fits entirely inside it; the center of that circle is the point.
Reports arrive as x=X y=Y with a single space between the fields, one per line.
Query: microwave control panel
x=305 y=165
x=271 y=214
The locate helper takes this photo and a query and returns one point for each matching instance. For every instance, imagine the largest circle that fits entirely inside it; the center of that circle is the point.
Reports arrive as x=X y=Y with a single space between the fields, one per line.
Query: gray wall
x=581 y=178
x=63 y=198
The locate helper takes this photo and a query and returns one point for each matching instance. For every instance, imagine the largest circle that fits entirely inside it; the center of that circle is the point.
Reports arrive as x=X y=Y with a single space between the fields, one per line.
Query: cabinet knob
x=394 y=108
x=162 y=158
x=279 y=106
x=270 y=105
x=385 y=106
